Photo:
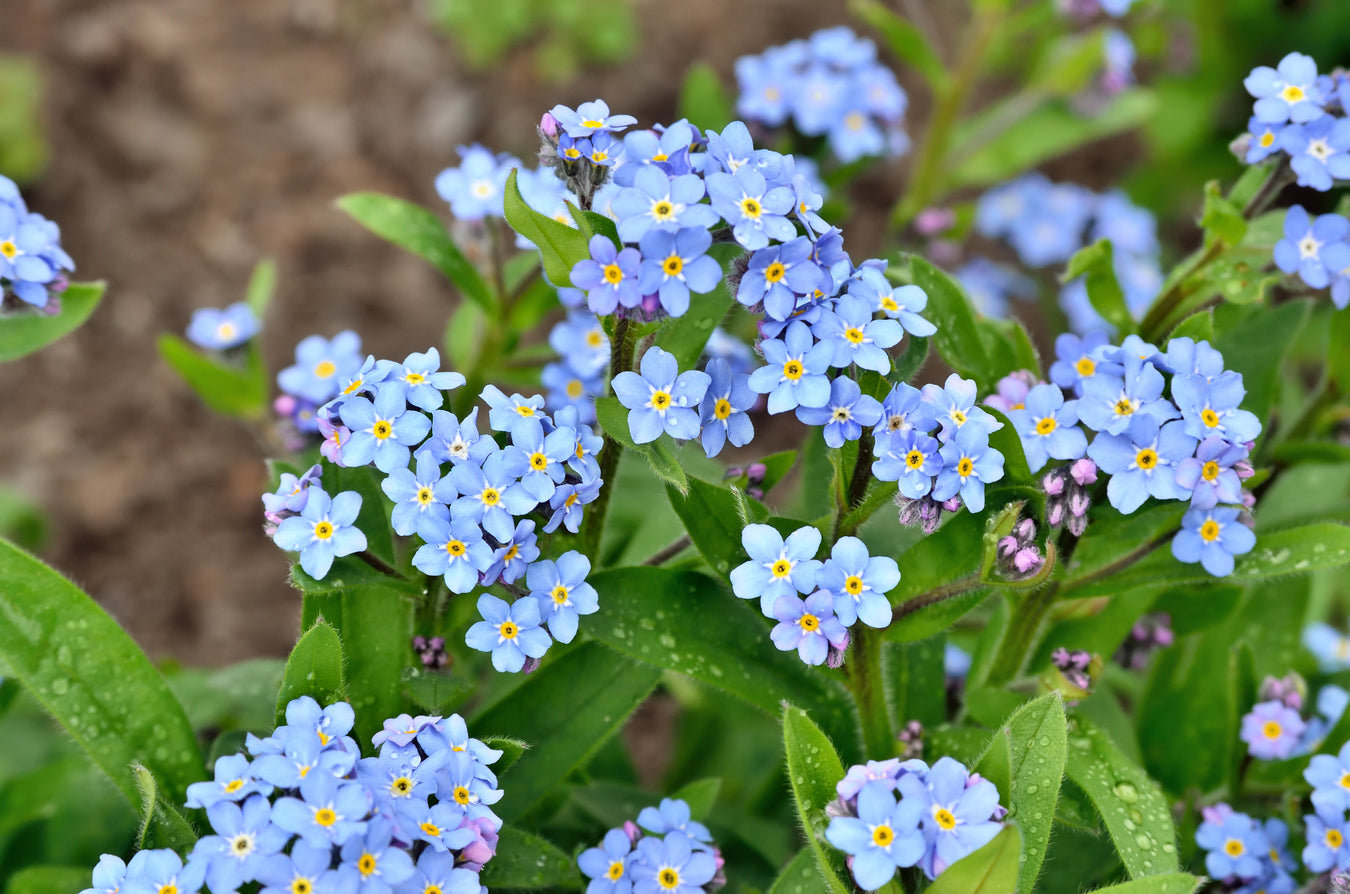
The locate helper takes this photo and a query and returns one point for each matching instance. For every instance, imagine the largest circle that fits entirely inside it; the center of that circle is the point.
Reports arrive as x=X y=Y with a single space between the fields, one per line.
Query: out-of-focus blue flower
x=582 y=342
x=1131 y=229
x=32 y=263
x=845 y=414
x=1329 y=646
x=777 y=567
x=323 y=530
x=884 y=836
x=218 y=330
x=859 y=583
x=911 y=459
x=476 y=188
x=991 y=286
x=1212 y=537
x=320 y=365
x=1271 y=730
x=1327 y=834
x=766 y=83
x=609 y=276
x=795 y=374
x=1313 y=248
x=510 y=632
x=723 y=408
x=968 y=464
x=1289 y=93
x=1118 y=57
x=590 y=117
x=566 y=387
x=661 y=398
x=1318 y=151
x=1330 y=778
x=1265 y=140
x=1236 y=845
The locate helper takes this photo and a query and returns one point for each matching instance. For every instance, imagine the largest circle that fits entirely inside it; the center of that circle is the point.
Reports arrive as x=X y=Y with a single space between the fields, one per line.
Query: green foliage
x=224 y=387
x=813 y=768
x=560 y=246
x=990 y=870
x=906 y=41
x=703 y=101
x=161 y=823
x=563 y=35
x=1095 y=263
x=23 y=146
x=314 y=669
x=526 y=861
x=47 y=879
x=613 y=418
x=23 y=333
x=957 y=338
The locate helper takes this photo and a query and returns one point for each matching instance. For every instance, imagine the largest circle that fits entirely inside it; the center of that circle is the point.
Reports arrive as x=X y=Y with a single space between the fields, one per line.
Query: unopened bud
x=548 y=125
x=1084 y=471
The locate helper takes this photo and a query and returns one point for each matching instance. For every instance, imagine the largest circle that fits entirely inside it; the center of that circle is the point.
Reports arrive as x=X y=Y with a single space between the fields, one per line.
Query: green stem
x=863 y=670
x=926 y=178
x=1022 y=634
x=856 y=489
x=936 y=595
x=666 y=553
x=620 y=359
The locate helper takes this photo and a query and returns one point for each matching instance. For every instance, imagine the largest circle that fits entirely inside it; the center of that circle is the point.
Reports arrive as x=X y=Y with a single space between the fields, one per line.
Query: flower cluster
x=664 y=852
x=1275 y=728
x=1326 y=828
x=1246 y=854
x=1046 y=223
x=849 y=586
x=829 y=85
x=892 y=814
x=308 y=813
x=957 y=463
x=1190 y=444
x=476 y=520
x=1302 y=114
x=33 y=266
x=219 y=330
x=1088 y=8
x=1318 y=250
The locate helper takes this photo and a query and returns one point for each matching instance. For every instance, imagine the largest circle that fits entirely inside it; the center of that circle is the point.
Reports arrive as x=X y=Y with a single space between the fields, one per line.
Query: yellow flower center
x=1209 y=417
x=1085 y=366
x=595 y=338
x=944 y=819
x=382 y=430
x=722 y=409
x=1124 y=407
x=324 y=369
x=1334 y=839
x=413 y=378
x=508 y=630
x=302 y=886
x=1292 y=93
x=424 y=495
x=9 y=249
x=793 y=369
x=461 y=795
x=432 y=889
x=431 y=829
x=572 y=152
x=592 y=123
x=663 y=210
x=914 y=459
x=323 y=530
x=1209 y=471
x=965 y=467
x=1209 y=531
x=958 y=417
x=575 y=389
x=559 y=595
x=490 y=497
x=1233 y=847
x=599 y=156
x=809 y=622
x=325 y=817
x=775 y=272
x=613 y=274
x=355 y=386
x=782 y=568
x=853 y=584
x=883 y=835
x=454 y=548
x=751 y=208
x=1272 y=729
x=673 y=265
x=1267 y=139
x=225 y=331
x=525 y=410
x=615 y=871
x=401 y=787
x=660 y=156
x=1046 y=425
x=511 y=553
x=854 y=335
x=233 y=786
x=366 y=865
x=660 y=400
x=170 y=888
x=889 y=304
x=538 y=461
x=571 y=500
x=669 y=878
x=1146 y=459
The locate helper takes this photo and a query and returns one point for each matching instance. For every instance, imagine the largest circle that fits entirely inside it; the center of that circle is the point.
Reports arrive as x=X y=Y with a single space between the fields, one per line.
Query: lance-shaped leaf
x=314 y=669
x=23 y=333
x=814 y=769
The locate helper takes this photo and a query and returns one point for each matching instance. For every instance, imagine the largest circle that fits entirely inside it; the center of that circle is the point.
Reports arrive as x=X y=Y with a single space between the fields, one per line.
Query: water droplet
x=60 y=686
x=1129 y=825
x=666 y=640
x=1033 y=789
x=1144 y=840
x=1136 y=816
x=1126 y=792
x=1167 y=848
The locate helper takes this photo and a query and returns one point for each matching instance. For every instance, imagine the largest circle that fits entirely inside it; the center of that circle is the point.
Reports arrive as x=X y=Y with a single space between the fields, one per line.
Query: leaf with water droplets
x=524 y=860
x=314 y=669
x=990 y=870
x=161 y=823
x=800 y=876
x=814 y=769
x=1172 y=883
x=89 y=675
x=1133 y=807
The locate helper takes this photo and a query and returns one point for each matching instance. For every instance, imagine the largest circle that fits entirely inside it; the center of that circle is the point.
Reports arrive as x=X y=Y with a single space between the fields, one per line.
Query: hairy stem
x=620 y=359
x=936 y=595
x=665 y=554
x=1022 y=634
x=863 y=670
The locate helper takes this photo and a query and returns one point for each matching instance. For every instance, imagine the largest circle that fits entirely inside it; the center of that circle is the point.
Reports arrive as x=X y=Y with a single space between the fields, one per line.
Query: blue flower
x=418 y=496
x=1236 y=846
x=1271 y=730
x=673 y=815
x=754 y=210
x=658 y=201
x=1317 y=151
x=968 y=464
x=675 y=264
x=454 y=548
x=245 y=837
x=568 y=503
x=1210 y=476
x=953 y=407
x=1330 y=778
x=765 y=82
x=1211 y=408
x=810 y=627
x=795 y=375
x=330 y=723
x=668 y=150
x=323 y=530
x=31 y=258
x=588 y=444
x=1048 y=427
x=510 y=632
x=607 y=865
x=603 y=150
x=1142 y=462
x=379 y=864
x=1187 y=357
x=436 y=871
x=436 y=824
x=562 y=593
x=1265 y=140
x=286 y=760
x=109 y=874
x=218 y=330
x=991 y=285
x=492 y=494
x=329 y=811
x=1212 y=537
x=671 y=865
x=383 y=431
x=542 y=455
x=456 y=442
x=1327 y=834
x=233 y=782
x=476 y=188
x=818 y=100
x=903 y=304
x=777 y=567
x=902 y=410
x=859 y=583
x=884 y=836
x=161 y=870
x=320 y=365
x=420 y=377
x=845 y=414
x=958 y=811
x=856 y=337
x=1313 y=249
x=909 y=458
x=609 y=276
x=723 y=408
x=662 y=398
x=778 y=276
x=1289 y=93
x=856 y=134
x=734 y=147
x=581 y=341
x=510 y=560
x=590 y=117
x=1111 y=403
x=1329 y=646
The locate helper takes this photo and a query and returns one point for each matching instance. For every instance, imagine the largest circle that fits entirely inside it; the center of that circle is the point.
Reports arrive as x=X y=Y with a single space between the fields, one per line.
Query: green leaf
x=909 y=363
x=700 y=795
x=916 y=680
x=613 y=419
x=1256 y=347
x=434 y=691
x=1111 y=538
x=1032 y=138
x=314 y=669
x=1221 y=220
x=1198 y=326
x=241 y=393
x=1137 y=815
x=990 y=870
x=525 y=860
x=161 y=823
x=799 y=877
x=23 y=144
x=776 y=466
x=711 y=517
x=687 y=336
x=735 y=654
x=957 y=338
x=22 y=333
x=1108 y=299
x=261 y=286
x=92 y=678
x=592 y=223
x=560 y=246
x=376 y=631
x=1036 y=736
x=48 y=880
x=1291 y=551
x=703 y=101
x=511 y=750
x=572 y=704
x=1172 y=883
x=421 y=232
x=814 y=769
x=905 y=40
x=941 y=561
x=1071 y=62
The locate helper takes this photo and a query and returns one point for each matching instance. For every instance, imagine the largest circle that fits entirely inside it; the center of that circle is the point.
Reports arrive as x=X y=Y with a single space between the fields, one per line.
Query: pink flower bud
x=932 y=221
x=548 y=125
x=1053 y=484
x=1027 y=560
x=1007 y=546
x=1054 y=513
x=1084 y=471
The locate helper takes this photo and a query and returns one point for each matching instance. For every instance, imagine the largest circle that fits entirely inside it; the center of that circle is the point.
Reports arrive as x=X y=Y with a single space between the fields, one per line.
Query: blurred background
x=178 y=141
